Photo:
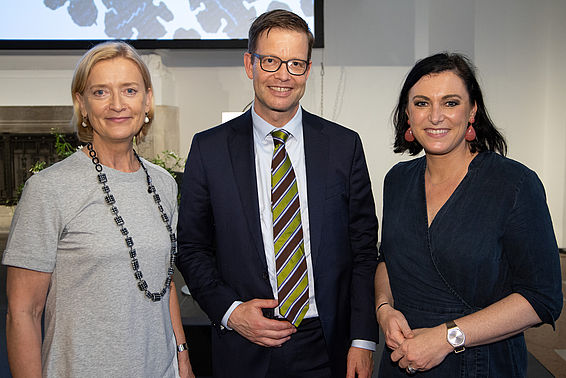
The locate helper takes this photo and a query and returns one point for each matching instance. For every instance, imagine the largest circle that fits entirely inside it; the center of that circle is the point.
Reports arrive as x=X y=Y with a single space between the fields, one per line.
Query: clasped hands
x=421 y=349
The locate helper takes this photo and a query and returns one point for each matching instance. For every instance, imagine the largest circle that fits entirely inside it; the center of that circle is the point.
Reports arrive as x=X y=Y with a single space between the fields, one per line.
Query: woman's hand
x=394 y=326
x=425 y=350
x=185 y=368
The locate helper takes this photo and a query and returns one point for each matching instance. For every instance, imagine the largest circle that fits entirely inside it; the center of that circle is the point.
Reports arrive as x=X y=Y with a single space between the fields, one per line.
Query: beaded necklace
x=111 y=201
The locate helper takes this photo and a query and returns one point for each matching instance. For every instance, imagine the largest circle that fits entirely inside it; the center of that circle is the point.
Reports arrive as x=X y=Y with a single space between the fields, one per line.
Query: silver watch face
x=456 y=337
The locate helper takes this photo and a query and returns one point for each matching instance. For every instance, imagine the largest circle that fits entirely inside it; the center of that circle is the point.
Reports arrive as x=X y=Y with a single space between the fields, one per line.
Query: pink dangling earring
x=470 y=133
x=409 y=137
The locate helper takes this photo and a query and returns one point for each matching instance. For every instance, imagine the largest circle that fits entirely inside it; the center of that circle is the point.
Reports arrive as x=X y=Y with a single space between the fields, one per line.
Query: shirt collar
x=263 y=129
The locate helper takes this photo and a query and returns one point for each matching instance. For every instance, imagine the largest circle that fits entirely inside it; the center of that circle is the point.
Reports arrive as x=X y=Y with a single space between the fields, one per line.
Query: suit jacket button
x=265 y=276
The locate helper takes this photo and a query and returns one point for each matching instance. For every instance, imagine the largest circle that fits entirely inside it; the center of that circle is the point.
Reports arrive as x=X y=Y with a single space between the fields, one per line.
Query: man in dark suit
x=277 y=228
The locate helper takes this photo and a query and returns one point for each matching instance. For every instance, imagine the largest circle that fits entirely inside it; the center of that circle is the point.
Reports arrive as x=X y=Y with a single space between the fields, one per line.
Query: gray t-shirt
x=97 y=321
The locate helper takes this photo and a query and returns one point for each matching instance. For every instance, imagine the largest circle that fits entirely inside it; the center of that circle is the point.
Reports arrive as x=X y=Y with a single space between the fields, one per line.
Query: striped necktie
x=292 y=278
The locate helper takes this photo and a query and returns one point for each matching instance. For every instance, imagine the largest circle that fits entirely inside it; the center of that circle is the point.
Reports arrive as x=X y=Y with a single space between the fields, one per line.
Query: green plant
x=19 y=191
x=62 y=147
x=38 y=166
x=173 y=164
x=169 y=161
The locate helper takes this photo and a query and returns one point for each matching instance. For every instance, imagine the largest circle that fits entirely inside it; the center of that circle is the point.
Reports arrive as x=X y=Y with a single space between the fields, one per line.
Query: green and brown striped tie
x=290 y=260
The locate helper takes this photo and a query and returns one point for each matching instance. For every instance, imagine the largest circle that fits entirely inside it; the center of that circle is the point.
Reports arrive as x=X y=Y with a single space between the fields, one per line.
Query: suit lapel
x=241 y=149
x=316 y=158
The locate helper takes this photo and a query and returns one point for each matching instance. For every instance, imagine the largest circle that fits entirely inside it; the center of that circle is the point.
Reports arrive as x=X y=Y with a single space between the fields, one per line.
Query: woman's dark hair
x=488 y=138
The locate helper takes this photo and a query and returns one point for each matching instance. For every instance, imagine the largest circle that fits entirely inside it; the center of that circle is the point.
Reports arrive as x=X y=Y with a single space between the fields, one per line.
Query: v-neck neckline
x=446 y=204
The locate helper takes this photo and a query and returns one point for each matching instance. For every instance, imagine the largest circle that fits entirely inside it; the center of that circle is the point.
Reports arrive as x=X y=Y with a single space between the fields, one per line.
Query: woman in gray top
x=83 y=233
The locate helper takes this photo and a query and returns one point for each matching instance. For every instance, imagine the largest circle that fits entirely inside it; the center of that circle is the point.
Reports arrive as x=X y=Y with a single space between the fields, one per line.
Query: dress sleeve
x=36 y=228
x=532 y=253
x=382 y=246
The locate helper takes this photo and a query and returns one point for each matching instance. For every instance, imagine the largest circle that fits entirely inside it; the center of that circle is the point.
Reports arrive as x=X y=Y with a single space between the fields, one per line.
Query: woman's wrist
x=379 y=306
x=446 y=347
x=182 y=347
x=381 y=309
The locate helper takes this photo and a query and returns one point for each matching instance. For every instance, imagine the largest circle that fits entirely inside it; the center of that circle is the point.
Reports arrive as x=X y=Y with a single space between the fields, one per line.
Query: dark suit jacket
x=221 y=250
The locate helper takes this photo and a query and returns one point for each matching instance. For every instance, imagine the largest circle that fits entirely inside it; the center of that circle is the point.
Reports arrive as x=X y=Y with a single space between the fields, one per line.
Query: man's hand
x=360 y=362
x=248 y=320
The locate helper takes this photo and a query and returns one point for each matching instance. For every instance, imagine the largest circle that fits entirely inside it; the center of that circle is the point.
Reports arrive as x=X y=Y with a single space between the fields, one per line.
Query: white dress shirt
x=263 y=151
x=263 y=148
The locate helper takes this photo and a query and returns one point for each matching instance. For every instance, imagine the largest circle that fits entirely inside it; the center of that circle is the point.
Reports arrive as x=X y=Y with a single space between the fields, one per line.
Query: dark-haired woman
x=468 y=258
x=93 y=242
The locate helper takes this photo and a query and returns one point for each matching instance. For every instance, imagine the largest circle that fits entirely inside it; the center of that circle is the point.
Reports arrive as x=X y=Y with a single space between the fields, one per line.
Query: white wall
x=370 y=45
x=554 y=146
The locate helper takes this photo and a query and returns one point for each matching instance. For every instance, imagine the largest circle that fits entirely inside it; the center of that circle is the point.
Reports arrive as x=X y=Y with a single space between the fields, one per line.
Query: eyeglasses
x=270 y=63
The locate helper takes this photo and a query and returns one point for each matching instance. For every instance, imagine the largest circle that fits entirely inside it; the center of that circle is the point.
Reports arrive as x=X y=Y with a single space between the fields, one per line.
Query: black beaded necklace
x=111 y=201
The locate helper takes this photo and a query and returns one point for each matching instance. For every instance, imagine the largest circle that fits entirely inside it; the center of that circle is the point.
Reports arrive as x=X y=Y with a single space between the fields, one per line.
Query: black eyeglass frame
x=281 y=61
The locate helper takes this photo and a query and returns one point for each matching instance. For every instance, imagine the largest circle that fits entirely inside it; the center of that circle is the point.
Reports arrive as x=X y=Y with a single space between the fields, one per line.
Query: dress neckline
x=472 y=167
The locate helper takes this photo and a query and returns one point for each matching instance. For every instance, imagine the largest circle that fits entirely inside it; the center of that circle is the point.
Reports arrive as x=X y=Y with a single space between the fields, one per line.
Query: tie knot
x=279 y=136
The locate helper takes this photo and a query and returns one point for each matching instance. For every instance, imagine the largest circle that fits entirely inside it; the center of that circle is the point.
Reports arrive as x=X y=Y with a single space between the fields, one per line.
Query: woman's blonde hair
x=104 y=51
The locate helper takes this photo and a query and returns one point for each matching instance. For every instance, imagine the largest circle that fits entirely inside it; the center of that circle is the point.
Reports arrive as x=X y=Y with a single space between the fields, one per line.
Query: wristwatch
x=455 y=336
x=182 y=347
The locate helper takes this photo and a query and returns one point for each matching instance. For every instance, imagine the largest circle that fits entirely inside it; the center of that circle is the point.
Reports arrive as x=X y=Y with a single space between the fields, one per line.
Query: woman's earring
x=83 y=123
x=409 y=137
x=470 y=133
x=146 y=119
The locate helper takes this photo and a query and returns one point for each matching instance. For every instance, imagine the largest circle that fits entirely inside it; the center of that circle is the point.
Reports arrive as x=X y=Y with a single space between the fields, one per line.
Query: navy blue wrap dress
x=492 y=237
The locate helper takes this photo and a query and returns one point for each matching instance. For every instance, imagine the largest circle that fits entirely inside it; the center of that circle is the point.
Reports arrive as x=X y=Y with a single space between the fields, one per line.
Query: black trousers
x=304 y=356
